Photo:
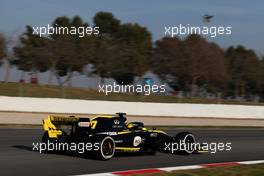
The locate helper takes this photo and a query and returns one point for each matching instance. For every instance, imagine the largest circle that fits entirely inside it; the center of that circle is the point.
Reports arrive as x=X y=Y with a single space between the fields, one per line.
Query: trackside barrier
x=57 y=105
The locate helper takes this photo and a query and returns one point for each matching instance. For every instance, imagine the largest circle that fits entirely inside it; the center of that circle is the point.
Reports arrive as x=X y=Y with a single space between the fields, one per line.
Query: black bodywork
x=113 y=132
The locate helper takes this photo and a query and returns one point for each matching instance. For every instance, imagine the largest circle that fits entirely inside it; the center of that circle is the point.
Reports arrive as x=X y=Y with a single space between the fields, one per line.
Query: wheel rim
x=107 y=148
x=188 y=141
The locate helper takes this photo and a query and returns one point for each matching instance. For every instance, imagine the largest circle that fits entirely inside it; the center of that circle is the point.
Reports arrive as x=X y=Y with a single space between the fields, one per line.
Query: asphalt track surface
x=17 y=157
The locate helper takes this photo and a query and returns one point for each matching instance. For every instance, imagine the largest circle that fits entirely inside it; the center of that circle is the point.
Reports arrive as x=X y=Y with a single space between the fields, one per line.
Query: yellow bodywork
x=94 y=120
x=52 y=124
x=128 y=148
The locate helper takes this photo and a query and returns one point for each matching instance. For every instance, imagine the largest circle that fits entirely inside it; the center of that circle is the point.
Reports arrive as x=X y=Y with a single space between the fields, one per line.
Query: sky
x=245 y=17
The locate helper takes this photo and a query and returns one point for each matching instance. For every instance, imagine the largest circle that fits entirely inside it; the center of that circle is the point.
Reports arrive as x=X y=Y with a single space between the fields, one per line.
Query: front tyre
x=186 y=142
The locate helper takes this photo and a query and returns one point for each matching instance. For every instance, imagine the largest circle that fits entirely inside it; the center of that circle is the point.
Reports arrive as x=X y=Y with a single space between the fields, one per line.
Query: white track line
x=252 y=162
x=170 y=169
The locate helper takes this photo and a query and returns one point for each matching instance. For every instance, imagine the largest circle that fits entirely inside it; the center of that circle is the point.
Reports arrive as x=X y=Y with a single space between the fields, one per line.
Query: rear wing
x=52 y=124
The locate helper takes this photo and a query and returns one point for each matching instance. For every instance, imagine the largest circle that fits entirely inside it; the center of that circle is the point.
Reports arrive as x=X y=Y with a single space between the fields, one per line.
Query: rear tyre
x=106 y=147
x=185 y=141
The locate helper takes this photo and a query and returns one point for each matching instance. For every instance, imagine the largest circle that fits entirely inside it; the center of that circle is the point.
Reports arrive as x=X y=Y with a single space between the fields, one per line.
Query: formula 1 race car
x=109 y=134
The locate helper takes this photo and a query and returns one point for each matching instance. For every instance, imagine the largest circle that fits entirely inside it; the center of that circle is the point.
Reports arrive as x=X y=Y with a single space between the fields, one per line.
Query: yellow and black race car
x=106 y=135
